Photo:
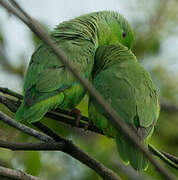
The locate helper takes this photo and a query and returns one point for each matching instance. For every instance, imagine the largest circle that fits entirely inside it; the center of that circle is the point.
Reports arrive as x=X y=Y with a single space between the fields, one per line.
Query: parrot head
x=126 y=35
x=122 y=31
x=116 y=30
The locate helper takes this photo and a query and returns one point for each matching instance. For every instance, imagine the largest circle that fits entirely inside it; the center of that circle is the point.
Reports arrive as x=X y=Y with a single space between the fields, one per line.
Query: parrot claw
x=88 y=124
x=77 y=114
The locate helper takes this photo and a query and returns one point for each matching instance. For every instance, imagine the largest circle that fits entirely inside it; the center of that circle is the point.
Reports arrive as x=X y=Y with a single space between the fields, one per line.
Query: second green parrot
x=128 y=88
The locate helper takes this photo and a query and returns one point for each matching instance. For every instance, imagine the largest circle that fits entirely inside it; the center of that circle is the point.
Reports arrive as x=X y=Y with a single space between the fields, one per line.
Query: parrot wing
x=47 y=76
x=49 y=84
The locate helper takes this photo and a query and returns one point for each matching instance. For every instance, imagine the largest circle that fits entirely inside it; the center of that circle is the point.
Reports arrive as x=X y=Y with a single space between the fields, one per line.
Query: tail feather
x=129 y=154
x=37 y=111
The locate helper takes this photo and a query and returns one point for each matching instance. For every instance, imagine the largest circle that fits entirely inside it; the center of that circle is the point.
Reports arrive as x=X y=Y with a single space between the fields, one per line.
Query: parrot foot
x=77 y=114
x=88 y=124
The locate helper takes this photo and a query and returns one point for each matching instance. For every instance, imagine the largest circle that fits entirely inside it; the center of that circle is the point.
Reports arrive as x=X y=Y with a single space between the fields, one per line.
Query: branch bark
x=78 y=154
x=169 y=107
x=61 y=143
x=23 y=128
x=171 y=157
x=16 y=175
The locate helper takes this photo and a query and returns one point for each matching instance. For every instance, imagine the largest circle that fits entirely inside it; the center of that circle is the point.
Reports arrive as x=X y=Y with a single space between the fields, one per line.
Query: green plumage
x=128 y=88
x=48 y=84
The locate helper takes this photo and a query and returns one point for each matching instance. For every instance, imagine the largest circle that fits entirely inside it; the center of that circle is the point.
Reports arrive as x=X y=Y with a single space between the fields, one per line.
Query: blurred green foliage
x=1 y=37
x=149 y=40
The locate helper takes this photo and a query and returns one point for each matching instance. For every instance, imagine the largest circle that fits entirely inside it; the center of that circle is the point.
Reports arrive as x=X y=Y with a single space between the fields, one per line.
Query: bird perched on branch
x=48 y=83
x=128 y=88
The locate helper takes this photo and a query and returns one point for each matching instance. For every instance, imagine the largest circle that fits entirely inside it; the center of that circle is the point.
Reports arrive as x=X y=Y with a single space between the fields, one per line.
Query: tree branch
x=164 y=156
x=9 y=92
x=78 y=154
x=37 y=146
x=23 y=128
x=167 y=106
x=65 y=146
x=170 y=157
x=16 y=175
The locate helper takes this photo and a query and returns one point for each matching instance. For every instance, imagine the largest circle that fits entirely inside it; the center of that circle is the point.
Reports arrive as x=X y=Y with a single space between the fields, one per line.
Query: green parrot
x=48 y=83
x=128 y=88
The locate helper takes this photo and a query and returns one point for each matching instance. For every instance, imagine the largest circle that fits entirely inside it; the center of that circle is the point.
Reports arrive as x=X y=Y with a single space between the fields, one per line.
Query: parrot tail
x=37 y=111
x=129 y=154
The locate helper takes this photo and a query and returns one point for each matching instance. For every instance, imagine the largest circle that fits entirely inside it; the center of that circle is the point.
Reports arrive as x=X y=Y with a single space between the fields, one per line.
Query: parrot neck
x=112 y=56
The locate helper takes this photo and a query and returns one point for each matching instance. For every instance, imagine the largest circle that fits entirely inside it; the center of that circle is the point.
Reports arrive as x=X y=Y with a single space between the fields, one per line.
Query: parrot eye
x=124 y=34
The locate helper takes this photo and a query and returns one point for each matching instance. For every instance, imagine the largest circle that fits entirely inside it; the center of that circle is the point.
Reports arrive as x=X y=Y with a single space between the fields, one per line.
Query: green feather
x=79 y=38
x=128 y=88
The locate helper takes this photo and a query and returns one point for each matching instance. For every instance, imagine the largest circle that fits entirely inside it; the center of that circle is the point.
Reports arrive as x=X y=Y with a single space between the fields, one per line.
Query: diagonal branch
x=9 y=92
x=16 y=175
x=167 y=106
x=169 y=159
x=23 y=128
x=78 y=154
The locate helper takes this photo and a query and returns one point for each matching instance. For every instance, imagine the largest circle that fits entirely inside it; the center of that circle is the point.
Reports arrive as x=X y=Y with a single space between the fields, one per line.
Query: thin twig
x=49 y=132
x=65 y=118
x=114 y=118
x=167 y=106
x=163 y=156
x=171 y=157
x=11 y=104
x=16 y=175
x=12 y=93
x=23 y=128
